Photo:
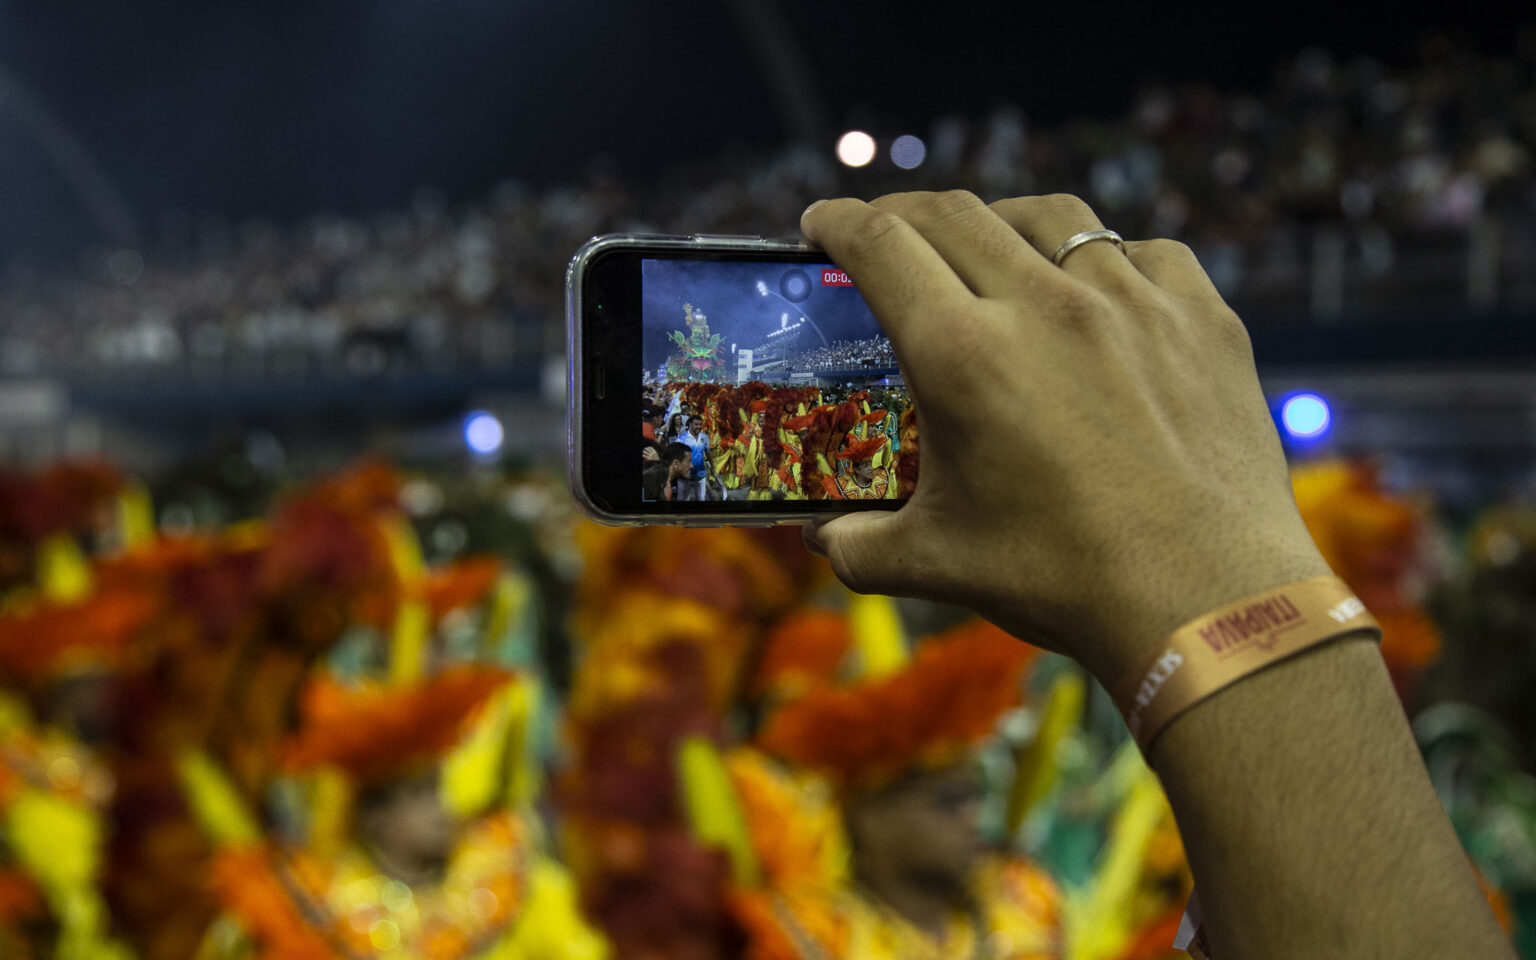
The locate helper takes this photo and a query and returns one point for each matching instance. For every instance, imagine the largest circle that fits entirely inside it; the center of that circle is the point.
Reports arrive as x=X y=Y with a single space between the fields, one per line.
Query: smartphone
x=729 y=381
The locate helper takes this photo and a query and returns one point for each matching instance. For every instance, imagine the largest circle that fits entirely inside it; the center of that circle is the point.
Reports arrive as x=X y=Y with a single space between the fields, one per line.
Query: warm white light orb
x=856 y=148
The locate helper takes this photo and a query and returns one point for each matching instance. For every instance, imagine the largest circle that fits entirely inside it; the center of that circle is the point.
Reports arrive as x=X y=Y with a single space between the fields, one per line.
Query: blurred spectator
x=1401 y=160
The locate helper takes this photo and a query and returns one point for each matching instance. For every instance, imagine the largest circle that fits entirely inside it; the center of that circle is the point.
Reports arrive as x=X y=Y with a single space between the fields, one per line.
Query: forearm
x=1310 y=823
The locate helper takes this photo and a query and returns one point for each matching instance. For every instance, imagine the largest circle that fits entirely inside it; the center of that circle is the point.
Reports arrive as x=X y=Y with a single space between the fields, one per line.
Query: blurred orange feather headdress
x=1372 y=541
x=944 y=700
x=803 y=652
x=49 y=640
x=375 y=732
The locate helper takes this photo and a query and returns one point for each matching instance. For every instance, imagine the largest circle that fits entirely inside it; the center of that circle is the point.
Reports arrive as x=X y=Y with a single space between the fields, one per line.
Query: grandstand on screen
x=788 y=357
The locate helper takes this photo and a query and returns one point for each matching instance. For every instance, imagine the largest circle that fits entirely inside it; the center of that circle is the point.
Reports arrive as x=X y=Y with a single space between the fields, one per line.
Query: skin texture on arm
x=1310 y=823
x=1099 y=468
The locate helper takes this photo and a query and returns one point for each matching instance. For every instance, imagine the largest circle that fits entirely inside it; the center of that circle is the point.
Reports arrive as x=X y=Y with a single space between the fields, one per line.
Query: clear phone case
x=573 y=393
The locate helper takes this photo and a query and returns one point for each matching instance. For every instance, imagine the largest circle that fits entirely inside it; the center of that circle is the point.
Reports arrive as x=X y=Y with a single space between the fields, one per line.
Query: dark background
x=286 y=108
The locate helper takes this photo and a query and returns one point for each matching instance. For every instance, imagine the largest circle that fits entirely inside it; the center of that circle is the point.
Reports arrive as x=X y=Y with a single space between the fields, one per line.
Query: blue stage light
x=483 y=433
x=1306 y=416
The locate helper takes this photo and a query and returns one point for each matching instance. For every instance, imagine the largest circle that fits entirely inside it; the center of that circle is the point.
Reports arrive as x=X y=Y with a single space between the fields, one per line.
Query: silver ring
x=1087 y=236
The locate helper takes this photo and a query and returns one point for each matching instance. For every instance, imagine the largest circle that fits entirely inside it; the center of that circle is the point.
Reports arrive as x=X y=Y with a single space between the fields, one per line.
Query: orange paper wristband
x=1225 y=645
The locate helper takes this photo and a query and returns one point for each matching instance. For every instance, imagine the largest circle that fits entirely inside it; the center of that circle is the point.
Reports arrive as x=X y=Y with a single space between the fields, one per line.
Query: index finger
x=902 y=278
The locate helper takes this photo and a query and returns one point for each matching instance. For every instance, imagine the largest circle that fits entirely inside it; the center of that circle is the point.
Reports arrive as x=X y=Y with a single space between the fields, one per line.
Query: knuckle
x=1170 y=250
x=956 y=203
x=873 y=232
x=1009 y=206
x=1233 y=332
x=1145 y=299
x=1177 y=248
x=837 y=210
x=1078 y=301
x=1067 y=205
x=900 y=200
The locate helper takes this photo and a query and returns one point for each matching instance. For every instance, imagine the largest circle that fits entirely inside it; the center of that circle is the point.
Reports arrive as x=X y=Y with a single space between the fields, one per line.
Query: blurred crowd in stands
x=1394 y=179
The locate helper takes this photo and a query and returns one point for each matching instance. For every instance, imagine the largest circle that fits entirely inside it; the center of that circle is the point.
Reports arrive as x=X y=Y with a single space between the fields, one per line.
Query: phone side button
x=600 y=382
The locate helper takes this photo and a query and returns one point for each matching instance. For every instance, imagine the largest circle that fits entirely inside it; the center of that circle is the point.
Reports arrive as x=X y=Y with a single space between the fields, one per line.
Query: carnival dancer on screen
x=795 y=403
x=824 y=433
x=897 y=750
x=767 y=431
x=736 y=464
x=865 y=480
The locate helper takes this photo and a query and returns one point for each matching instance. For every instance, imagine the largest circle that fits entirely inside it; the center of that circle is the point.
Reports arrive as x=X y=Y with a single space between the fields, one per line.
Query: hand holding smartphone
x=729 y=380
x=1101 y=468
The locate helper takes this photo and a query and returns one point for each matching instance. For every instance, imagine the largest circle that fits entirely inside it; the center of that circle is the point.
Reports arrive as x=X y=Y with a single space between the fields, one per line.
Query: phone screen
x=768 y=380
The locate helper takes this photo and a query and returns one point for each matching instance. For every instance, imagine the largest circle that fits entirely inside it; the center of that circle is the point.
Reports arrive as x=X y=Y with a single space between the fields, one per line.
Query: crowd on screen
x=1391 y=157
x=873 y=352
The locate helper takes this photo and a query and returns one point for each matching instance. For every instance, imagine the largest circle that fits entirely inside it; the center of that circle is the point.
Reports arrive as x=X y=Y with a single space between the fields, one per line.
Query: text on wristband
x=1213 y=651
x=1165 y=667
x=1258 y=623
x=1347 y=610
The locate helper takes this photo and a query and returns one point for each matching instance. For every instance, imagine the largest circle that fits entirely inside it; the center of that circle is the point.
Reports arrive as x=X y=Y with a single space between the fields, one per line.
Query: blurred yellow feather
x=878 y=634
x=713 y=809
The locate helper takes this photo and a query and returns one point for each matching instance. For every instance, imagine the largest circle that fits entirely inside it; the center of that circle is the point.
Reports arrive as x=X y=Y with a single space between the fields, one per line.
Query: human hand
x=1099 y=465
x=649 y=454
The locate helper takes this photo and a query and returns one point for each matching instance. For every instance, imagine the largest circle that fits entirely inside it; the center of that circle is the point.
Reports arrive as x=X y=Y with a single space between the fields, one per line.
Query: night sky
x=286 y=108
x=736 y=309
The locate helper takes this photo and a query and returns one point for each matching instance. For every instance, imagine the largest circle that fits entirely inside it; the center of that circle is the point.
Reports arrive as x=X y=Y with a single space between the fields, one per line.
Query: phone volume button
x=600 y=382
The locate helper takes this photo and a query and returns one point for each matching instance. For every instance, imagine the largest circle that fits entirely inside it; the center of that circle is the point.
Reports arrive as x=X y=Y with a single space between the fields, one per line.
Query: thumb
x=870 y=552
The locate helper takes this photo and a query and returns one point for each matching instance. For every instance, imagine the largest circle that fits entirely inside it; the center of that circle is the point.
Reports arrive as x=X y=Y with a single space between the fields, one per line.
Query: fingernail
x=812 y=541
x=808 y=212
